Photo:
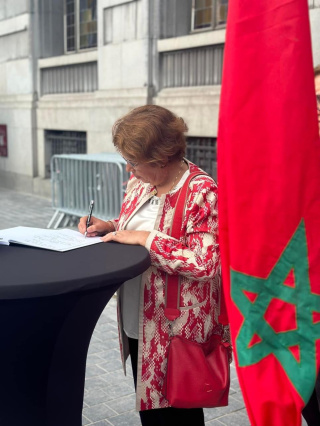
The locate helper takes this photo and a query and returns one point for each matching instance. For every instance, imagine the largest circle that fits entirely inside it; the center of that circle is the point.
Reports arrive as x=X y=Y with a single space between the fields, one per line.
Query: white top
x=143 y=220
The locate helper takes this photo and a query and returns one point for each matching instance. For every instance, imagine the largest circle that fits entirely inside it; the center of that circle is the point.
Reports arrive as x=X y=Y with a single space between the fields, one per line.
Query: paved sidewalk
x=109 y=396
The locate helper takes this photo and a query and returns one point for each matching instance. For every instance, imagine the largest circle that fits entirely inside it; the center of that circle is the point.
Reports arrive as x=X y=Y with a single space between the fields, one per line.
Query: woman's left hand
x=127 y=237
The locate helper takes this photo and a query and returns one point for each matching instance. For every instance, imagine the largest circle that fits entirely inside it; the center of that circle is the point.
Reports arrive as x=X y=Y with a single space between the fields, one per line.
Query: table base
x=43 y=367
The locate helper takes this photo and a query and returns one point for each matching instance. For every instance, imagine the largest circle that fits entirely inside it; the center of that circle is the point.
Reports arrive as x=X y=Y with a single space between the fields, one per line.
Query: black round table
x=49 y=305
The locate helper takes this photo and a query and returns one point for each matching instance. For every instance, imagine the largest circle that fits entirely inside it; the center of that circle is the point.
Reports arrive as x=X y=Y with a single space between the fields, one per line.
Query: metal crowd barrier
x=76 y=179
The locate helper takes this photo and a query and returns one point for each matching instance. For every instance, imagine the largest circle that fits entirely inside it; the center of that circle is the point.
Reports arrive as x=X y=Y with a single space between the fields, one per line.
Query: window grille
x=192 y=67
x=63 y=142
x=80 y=24
x=202 y=152
x=76 y=78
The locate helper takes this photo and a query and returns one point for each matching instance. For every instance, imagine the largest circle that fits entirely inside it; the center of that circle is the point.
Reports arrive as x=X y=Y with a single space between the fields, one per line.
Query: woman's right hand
x=97 y=226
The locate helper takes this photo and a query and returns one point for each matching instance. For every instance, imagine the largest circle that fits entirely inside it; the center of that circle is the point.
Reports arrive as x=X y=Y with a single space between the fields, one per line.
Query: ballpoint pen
x=89 y=217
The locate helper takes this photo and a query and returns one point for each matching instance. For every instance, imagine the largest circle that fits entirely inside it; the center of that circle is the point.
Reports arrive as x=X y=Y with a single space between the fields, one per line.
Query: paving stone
x=124 y=404
x=105 y=319
x=95 y=338
x=95 y=383
x=117 y=390
x=95 y=396
x=235 y=404
x=94 y=370
x=238 y=396
x=237 y=418
x=37 y=211
x=108 y=354
x=126 y=419
x=117 y=376
x=98 y=412
x=232 y=391
x=104 y=345
x=94 y=349
x=210 y=413
x=85 y=421
x=234 y=385
x=110 y=344
x=108 y=334
x=94 y=359
x=107 y=326
x=233 y=372
x=111 y=365
x=114 y=364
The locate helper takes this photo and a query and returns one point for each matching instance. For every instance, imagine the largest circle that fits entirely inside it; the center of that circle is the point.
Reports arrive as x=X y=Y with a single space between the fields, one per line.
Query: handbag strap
x=172 y=310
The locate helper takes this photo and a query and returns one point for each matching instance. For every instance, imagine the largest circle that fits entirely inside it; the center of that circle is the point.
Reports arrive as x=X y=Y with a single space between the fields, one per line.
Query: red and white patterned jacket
x=195 y=257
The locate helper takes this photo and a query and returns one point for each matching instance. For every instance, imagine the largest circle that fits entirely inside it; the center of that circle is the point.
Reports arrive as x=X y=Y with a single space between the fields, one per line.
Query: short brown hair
x=150 y=134
x=316 y=70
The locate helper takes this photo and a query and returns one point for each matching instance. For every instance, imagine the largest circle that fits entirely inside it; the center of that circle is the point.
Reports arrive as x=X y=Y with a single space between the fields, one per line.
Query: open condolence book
x=57 y=240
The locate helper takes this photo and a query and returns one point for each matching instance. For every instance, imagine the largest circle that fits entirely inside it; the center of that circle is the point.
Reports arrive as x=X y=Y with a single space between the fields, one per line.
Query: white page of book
x=58 y=239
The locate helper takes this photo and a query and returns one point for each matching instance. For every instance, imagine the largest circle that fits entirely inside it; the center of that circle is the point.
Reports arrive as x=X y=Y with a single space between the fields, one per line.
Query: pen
x=89 y=217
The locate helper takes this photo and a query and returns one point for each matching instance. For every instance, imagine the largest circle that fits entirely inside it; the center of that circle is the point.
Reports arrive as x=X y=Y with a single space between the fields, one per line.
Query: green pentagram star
x=302 y=372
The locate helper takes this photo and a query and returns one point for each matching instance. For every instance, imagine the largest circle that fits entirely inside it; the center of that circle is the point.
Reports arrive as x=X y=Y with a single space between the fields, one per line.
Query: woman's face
x=148 y=173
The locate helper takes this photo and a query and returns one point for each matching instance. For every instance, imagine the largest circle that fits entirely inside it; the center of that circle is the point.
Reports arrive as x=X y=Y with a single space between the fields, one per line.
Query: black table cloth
x=49 y=305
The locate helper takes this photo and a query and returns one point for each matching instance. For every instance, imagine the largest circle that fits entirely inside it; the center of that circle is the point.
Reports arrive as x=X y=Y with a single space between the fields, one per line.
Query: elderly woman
x=152 y=141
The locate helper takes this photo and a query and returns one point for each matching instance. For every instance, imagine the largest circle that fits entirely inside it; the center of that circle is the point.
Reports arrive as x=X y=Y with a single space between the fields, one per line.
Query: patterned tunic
x=195 y=258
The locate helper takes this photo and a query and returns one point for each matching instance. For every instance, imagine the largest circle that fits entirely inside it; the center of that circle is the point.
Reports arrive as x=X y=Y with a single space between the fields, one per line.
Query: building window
x=202 y=152
x=80 y=24
x=63 y=142
x=202 y=17
x=209 y=14
x=221 y=12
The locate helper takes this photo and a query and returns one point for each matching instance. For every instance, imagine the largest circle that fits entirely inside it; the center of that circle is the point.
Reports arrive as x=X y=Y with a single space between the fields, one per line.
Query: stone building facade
x=70 y=68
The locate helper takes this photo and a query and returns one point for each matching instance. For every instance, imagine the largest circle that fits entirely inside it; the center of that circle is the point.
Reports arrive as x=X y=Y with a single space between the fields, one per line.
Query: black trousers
x=311 y=411
x=164 y=416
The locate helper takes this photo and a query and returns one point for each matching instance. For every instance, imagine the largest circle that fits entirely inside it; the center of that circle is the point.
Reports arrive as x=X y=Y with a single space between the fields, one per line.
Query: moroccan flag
x=269 y=206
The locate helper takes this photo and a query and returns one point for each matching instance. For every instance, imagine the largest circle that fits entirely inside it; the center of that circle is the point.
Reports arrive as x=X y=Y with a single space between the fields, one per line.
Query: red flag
x=269 y=206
